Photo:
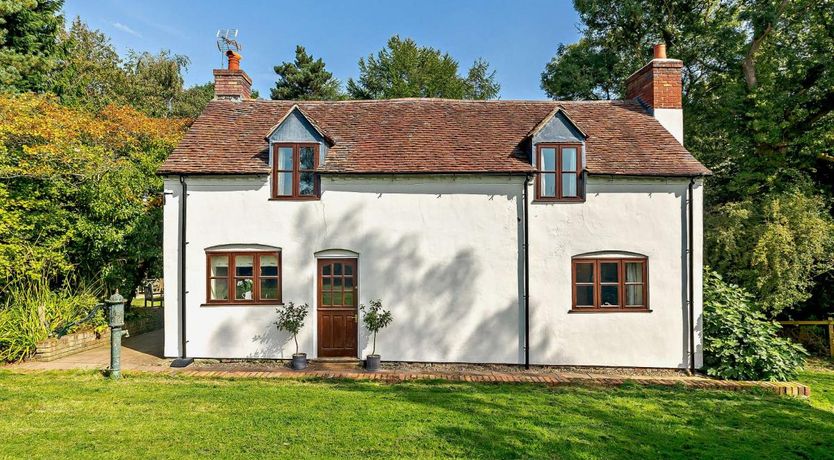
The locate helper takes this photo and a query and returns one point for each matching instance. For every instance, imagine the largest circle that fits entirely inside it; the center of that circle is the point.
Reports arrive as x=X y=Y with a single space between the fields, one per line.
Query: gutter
x=525 y=246
x=183 y=360
x=691 y=250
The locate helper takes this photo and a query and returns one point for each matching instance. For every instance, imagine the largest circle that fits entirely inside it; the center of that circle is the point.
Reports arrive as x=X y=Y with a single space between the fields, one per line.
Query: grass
x=81 y=415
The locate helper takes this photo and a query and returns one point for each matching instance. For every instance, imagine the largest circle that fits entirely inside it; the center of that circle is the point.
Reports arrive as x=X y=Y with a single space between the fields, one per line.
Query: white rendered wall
x=672 y=120
x=444 y=255
x=645 y=216
x=441 y=253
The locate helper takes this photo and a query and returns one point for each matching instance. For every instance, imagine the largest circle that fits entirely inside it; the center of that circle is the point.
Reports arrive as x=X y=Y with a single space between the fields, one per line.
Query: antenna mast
x=227 y=41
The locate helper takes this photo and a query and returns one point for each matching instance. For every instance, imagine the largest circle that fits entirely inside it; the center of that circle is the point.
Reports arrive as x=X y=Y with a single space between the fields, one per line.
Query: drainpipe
x=182 y=361
x=691 y=249
x=525 y=221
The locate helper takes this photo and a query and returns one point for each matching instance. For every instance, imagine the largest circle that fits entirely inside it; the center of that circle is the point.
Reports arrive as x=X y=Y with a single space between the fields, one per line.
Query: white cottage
x=522 y=232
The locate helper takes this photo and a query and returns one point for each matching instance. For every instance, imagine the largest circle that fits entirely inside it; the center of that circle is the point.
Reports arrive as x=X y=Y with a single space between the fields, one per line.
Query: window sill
x=242 y=304
x=610 y=310
x=295 y=198
x=558 y=200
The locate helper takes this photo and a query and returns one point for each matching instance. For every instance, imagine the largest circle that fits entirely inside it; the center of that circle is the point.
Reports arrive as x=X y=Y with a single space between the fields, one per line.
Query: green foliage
x=375 y=318
x=79 y=191
x=291 y=319
x=28 y=38
x=774 y=245
x=305 y=80
x=404 y=69
x=191 y=102
x=154 y=81
x=758 y=94
x=740 y=343
x=33 y=311
x=91 y=74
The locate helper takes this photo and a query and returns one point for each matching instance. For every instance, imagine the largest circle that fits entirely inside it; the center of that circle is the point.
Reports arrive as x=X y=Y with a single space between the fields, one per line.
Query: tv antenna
x=227 y=41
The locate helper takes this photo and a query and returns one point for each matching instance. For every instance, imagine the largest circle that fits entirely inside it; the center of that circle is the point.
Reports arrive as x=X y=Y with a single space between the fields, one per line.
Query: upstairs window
x=294 y=174
x=244 y=278
x=560 y=172
x=610 y=284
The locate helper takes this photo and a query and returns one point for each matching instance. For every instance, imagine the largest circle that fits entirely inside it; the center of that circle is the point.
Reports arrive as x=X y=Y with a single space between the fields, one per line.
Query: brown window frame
x=621 y=284
x=296 y=171
x=256 y=278
x=558 y=172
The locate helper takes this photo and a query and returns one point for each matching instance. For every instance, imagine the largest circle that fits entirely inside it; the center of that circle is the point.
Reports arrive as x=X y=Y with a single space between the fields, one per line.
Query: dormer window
x=294 y=174
x=559 y=172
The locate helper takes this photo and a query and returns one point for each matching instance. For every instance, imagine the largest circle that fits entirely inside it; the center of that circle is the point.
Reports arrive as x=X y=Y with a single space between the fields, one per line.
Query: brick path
x=142 y=354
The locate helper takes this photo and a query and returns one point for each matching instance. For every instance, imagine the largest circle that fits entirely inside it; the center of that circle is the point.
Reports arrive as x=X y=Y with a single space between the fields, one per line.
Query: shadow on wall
x=433 y=302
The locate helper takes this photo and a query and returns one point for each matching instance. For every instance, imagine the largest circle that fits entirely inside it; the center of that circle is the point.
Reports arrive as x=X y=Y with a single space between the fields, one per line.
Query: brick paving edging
x=779 y=388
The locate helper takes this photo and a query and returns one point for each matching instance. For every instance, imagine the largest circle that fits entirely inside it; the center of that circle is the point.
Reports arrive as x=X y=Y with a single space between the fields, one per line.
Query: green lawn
x=152 y=416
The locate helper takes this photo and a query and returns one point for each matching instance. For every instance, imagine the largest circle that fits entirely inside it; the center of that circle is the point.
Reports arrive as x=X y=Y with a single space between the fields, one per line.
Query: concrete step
x=335 y=364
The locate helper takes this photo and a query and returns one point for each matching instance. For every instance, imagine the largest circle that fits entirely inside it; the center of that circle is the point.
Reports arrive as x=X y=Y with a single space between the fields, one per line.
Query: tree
x=78 y=191
x=758 y=93
x=192 y=101
x=90 y=74
x=305 y=79
x=291 y=319
x=154 y=81
x=375 y=318
x=404 y=69
x=28 y=43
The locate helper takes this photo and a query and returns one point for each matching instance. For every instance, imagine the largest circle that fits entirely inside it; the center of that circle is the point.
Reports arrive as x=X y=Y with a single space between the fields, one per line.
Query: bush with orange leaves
x=79 y=192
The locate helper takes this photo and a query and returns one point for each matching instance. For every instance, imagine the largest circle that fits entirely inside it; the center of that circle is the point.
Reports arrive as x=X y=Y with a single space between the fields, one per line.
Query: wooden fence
x=829 y=322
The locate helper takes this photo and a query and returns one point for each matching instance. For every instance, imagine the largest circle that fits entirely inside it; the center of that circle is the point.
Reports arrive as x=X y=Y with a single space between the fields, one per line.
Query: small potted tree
x=291 y=319
x=375 y=319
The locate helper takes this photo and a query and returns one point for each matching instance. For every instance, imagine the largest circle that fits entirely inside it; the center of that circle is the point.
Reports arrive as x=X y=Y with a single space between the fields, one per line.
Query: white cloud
x=126 y=29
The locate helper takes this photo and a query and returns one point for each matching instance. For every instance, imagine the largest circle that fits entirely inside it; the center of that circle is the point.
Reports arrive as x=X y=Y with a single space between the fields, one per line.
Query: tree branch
x=748 y=66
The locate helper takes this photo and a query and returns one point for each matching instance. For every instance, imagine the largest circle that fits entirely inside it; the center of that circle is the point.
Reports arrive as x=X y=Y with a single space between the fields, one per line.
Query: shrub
x=375 y=319
x=32 y=312
x=291 y=319
x=740 y=343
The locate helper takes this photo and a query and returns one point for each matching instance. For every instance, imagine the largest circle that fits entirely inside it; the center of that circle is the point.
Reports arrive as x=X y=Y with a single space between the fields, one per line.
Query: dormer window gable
x=297 y=150
x=558 y=155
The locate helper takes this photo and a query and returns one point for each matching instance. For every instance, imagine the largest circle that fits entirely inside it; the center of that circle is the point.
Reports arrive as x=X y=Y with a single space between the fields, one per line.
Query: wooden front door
x=337 y=300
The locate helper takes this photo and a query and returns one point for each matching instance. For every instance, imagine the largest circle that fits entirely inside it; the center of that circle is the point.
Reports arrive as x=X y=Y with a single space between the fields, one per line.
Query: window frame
x=296 y=171
x=559 y=171
x=256 y=278
x=621 y=284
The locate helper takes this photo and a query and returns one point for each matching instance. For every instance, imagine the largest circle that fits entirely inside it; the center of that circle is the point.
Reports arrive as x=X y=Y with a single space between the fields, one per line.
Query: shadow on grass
x=631 y=421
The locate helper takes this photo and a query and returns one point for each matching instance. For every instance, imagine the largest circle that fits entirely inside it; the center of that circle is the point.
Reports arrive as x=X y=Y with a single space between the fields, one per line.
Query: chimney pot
x=234 y=60
x=660 y=51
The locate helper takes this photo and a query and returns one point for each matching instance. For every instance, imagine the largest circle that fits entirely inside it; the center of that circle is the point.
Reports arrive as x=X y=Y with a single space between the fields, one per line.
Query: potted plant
x=291 y=319
x=375 y=319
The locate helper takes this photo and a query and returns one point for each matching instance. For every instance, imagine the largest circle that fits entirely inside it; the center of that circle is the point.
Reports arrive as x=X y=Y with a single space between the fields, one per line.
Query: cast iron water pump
x=117 y=320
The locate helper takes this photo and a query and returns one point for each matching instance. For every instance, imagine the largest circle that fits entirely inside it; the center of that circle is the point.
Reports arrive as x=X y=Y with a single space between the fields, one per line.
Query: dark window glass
x=610 y=284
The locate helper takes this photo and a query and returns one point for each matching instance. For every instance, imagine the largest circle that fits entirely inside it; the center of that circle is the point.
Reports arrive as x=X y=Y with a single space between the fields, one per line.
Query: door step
x=335 y=364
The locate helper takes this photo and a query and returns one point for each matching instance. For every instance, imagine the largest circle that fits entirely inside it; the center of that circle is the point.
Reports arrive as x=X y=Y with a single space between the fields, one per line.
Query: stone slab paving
x=143 y=353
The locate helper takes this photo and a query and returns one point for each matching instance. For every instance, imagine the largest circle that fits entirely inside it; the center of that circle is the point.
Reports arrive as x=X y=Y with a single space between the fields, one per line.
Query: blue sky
x=517 y=38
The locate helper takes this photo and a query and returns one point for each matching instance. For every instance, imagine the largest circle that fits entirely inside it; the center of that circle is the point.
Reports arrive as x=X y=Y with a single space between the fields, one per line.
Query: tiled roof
x=430 y=135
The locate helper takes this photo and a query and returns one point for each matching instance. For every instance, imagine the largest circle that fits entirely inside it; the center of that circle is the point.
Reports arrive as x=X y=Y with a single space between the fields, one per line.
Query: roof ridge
x=432 y=99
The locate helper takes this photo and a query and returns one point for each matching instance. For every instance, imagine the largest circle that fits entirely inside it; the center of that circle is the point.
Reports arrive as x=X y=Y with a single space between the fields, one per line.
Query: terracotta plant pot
x=372 y=363
x=299 y=361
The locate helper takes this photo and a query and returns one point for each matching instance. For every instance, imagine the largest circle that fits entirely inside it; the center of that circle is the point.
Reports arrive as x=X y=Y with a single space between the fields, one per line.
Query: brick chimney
x=232 y=84
x=658 y=87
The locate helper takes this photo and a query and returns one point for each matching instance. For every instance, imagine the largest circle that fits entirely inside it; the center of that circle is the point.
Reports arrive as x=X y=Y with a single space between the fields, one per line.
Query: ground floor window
x=244 y=277
x=610 y=284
